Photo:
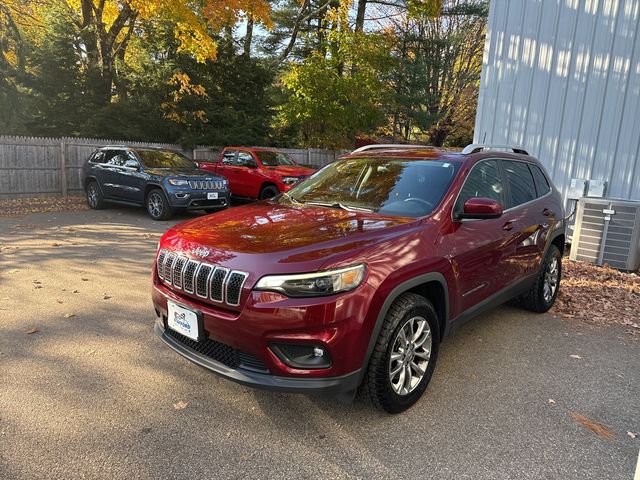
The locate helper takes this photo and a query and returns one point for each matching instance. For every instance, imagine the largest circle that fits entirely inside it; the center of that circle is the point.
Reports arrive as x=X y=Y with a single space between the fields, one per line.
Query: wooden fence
x=32 y=166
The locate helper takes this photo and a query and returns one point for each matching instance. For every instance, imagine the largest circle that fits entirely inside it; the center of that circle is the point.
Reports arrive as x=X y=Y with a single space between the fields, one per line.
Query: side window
x=98 y=157
x=229 y=156
x=245 y=160
x=118 y=159
x=521 y=184
x=542 y=184
x=484 y=181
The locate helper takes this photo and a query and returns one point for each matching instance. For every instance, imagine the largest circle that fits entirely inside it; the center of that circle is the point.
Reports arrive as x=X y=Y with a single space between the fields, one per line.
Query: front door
x=483 y=249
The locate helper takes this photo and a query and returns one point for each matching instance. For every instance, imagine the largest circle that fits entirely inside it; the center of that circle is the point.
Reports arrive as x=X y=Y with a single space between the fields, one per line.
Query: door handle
x=547 y=213
x=508 y=226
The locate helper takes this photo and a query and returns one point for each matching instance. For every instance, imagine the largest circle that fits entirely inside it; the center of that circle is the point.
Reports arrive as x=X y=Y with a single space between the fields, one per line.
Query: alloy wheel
x=92 y=195
x=410 y=355
x=155 y=205
x=551 y=277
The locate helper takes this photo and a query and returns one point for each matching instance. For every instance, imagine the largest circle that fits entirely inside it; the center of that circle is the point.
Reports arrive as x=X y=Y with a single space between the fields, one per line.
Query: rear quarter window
x=521 y=184
x=542 y=184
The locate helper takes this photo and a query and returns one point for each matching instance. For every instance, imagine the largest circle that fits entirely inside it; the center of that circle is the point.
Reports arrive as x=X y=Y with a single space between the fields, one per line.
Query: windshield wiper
x=342 y=206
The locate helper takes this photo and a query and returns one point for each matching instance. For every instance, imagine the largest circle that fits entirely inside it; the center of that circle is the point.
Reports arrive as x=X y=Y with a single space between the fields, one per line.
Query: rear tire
x=157 y=205
x=95 y=200
x=268 y=192
x=404 y=356
x=544 y=291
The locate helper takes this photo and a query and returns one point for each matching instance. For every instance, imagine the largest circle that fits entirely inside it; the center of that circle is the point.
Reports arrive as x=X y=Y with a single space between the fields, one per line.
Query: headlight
x=316 y=284
x=289 y=180
x=178 y=182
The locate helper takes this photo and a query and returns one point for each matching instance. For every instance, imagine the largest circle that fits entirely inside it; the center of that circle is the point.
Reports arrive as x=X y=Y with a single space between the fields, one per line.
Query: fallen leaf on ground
x=596 y=427
x=180 y=405
x=31 y=331
x=85 y=279
x=75 y=291
x=575 y=356
x=552 y=401
x=106 y=297
x=59 y=301
x=632 y=435
x=69 y=315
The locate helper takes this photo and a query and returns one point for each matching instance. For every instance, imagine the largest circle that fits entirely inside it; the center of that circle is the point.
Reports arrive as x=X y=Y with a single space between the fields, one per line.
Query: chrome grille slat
x=202 y=280
x=160 y=263
x=216 y=288
x=233 y=287
x=178 y=271
x=189 y=274
x=168 y=267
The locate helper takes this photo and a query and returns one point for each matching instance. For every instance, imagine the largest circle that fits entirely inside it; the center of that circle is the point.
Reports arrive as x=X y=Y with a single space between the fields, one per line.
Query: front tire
x=544 y=291
x=95 y=200
x=404 y=356
x=157 y=205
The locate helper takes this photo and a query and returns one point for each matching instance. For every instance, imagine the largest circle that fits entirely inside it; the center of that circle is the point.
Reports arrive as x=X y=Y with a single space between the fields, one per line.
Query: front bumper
x=345 y=385
x=197 y=199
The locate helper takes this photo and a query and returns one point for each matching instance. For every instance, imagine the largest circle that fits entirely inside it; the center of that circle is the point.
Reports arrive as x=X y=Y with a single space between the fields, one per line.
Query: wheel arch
x=152 y=186
x=432 y=286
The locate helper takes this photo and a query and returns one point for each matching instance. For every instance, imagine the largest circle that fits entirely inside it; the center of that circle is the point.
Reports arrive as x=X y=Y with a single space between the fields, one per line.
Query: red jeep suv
x=352 y=278
x=256 y=172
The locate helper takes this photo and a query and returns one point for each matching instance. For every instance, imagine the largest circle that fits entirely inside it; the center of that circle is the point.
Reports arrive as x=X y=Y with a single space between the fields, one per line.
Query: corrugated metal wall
x=562 y=79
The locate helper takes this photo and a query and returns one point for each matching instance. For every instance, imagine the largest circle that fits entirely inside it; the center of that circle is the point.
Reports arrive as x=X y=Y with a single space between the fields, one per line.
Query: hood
x=179 y=173
x=291 y=170
x=267 y=238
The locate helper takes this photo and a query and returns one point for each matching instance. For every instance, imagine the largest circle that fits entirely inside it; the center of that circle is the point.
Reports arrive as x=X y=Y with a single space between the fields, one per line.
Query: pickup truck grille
x=204 y=280
x=206 y=184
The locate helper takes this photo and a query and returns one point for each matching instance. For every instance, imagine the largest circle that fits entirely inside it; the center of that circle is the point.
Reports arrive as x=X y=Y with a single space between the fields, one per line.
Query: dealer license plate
x=182 y=320
x=212 y=195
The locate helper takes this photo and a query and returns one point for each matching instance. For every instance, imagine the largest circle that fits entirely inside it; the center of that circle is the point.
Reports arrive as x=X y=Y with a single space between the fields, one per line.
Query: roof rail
x=399 y=146
x=478 y=147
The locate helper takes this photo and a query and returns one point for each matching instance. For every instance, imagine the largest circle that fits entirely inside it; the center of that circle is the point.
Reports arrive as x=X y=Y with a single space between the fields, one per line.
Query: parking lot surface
x=88 y=391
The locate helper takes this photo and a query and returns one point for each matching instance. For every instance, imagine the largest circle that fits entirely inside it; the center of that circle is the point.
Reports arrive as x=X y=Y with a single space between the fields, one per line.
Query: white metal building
x=562 y=79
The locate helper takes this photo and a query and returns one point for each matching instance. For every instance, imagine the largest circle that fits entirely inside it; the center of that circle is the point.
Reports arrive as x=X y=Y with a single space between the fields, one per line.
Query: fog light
x=302 y=356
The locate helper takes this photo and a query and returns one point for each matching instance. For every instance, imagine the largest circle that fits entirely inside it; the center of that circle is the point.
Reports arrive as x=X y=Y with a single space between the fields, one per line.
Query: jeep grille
x=204 y=280
x=206 y=184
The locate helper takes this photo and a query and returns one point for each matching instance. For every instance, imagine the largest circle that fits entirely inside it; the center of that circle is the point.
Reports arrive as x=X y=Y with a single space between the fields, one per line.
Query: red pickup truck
x=256 y=172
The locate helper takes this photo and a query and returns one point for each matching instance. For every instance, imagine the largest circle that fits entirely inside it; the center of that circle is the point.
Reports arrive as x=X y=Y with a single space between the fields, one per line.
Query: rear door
x=528 y=216
x=482 y=251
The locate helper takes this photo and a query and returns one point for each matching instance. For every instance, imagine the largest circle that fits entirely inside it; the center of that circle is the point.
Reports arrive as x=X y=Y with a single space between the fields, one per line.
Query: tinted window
x=542 y=184
x=98 y=157
x=520 y=181
x=165 y=159
x=399 y=187
x=273 y=159
x=245 y=160
x=228 y=157
x=484 y=181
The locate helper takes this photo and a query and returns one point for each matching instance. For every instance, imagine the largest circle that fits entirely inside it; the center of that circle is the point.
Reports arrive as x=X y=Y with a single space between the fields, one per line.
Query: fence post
x=63 y=169
x=308 y=156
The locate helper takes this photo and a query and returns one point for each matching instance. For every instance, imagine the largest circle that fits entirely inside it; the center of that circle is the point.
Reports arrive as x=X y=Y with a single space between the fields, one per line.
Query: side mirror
x=252 y=165
x=133 y=164
x=481 y=208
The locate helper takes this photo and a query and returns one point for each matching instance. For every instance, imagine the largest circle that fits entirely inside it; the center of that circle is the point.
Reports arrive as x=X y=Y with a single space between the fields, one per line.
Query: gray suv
x=162 y=180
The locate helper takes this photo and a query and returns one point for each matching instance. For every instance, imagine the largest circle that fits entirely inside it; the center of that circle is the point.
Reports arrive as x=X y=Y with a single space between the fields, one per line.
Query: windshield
x=398 y=187
x=274 y=159
x=165 y=159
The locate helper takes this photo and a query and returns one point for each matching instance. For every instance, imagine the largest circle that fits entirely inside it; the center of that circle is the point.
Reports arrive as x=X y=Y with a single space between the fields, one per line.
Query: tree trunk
x=362 y=8
x=248 y=37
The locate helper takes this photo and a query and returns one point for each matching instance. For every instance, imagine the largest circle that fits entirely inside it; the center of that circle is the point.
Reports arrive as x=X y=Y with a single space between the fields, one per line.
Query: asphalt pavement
x=88 y=391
